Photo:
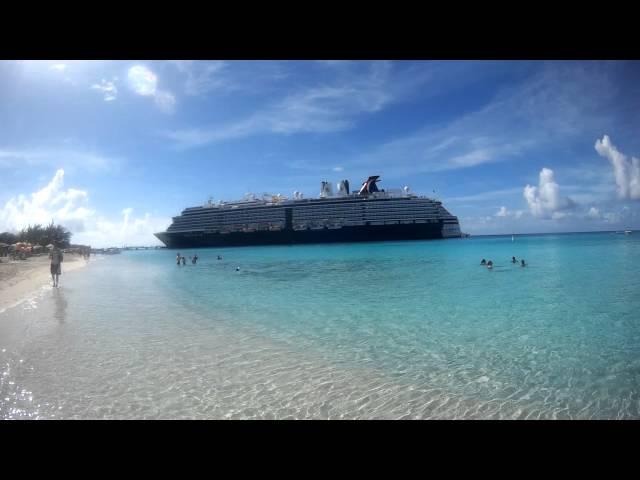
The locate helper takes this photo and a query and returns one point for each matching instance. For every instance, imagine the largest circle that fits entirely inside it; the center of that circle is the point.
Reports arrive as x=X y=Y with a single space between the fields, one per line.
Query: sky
x=114 y=149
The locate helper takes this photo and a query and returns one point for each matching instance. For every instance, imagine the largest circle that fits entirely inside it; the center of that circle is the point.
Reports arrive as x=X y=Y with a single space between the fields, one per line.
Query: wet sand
x=19 y=278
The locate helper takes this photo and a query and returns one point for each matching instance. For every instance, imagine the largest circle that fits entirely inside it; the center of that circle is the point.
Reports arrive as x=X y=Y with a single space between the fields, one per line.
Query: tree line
x=39 y=235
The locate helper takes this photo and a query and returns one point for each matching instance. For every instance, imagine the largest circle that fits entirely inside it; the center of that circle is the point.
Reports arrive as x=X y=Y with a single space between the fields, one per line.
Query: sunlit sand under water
x=387 y=330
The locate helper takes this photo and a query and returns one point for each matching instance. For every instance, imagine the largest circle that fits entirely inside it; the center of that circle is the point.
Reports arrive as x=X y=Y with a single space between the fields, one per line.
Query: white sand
x=19 y=278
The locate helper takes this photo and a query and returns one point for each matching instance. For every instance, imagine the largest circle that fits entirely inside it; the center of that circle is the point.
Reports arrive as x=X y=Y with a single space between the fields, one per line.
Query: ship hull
x=364 y=233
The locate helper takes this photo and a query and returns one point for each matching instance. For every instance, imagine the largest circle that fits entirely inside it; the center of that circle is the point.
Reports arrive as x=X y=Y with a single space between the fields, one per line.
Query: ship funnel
x=325 y=190
x=369 y=185
x=343 y=188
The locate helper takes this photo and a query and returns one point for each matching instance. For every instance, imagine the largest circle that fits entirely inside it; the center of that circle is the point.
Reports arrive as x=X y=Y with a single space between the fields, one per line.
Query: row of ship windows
x=403 y=214
x=307 y=225
x=371 y=214
x=325 y=207
x=228 y=218
x=368 y=207
x=279 y=215
x=310 y=222
x=324 y=218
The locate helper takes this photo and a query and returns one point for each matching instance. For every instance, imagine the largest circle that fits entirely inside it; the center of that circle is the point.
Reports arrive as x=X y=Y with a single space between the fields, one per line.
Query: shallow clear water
x=380 y=330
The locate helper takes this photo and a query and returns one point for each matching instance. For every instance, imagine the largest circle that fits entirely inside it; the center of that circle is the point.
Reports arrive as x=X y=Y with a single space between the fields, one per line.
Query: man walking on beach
x=56 y=257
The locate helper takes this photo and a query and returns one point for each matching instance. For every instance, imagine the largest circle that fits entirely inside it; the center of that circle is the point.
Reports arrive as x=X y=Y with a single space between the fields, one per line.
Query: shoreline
x=20 y=278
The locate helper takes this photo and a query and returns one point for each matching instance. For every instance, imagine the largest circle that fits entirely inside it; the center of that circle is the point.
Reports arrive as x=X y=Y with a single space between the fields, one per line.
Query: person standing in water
x=184 y=261
x=56 y=257
x=194 y=259
x=178 y=259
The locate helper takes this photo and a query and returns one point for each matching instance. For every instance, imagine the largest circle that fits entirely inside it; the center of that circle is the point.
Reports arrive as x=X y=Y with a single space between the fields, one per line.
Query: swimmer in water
x=513 y=260
x=219 y=257
x=483 y=262
x=237 y=269
x=178 y=259
x=489 y=264
x=523 y=264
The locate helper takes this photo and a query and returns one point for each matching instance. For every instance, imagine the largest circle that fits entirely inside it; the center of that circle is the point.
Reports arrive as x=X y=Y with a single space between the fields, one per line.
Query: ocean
x=392 y=330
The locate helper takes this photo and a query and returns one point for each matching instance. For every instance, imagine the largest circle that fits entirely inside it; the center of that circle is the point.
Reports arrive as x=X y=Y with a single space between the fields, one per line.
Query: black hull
x=369 y=233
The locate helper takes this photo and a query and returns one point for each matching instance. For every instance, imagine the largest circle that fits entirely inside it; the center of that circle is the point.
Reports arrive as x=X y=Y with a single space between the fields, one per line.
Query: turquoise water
x=380 y=330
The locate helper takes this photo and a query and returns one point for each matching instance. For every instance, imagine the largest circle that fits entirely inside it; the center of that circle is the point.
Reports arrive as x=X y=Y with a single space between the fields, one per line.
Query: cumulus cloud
x=109 y=90
x=594 y=213
x=545 y=200
x=125 y=230
x=144 y=82
x=504 y=212
x=69 y=207
x=52 y=202
x=627 y=172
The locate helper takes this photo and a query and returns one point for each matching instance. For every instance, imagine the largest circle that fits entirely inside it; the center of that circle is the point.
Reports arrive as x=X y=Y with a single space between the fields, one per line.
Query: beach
x=19 y=278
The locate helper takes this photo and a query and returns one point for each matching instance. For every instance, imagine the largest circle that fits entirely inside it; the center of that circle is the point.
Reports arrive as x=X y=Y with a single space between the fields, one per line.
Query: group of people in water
x=489 y=264
x=182 y=260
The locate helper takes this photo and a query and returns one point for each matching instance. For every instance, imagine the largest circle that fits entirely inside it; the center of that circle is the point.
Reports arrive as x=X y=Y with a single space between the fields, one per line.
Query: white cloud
x=67 y=207
x=12 y=158
x=126 y=230
x=504 y=212
x=627 y=172
x=594 y=213
x=60 y=67
x=165 y=101
x=479 y=156
x=144 y=82
x=625 y=217
x=109 y=90
x=545 y=200
x=612 y=217
x=70 y=208
x=202 y=76
x=556 y=101
x=337 y=169
x=319 y=109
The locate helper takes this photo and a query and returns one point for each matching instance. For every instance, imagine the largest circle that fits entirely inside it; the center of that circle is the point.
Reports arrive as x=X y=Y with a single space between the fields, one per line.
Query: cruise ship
x=370 y=214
